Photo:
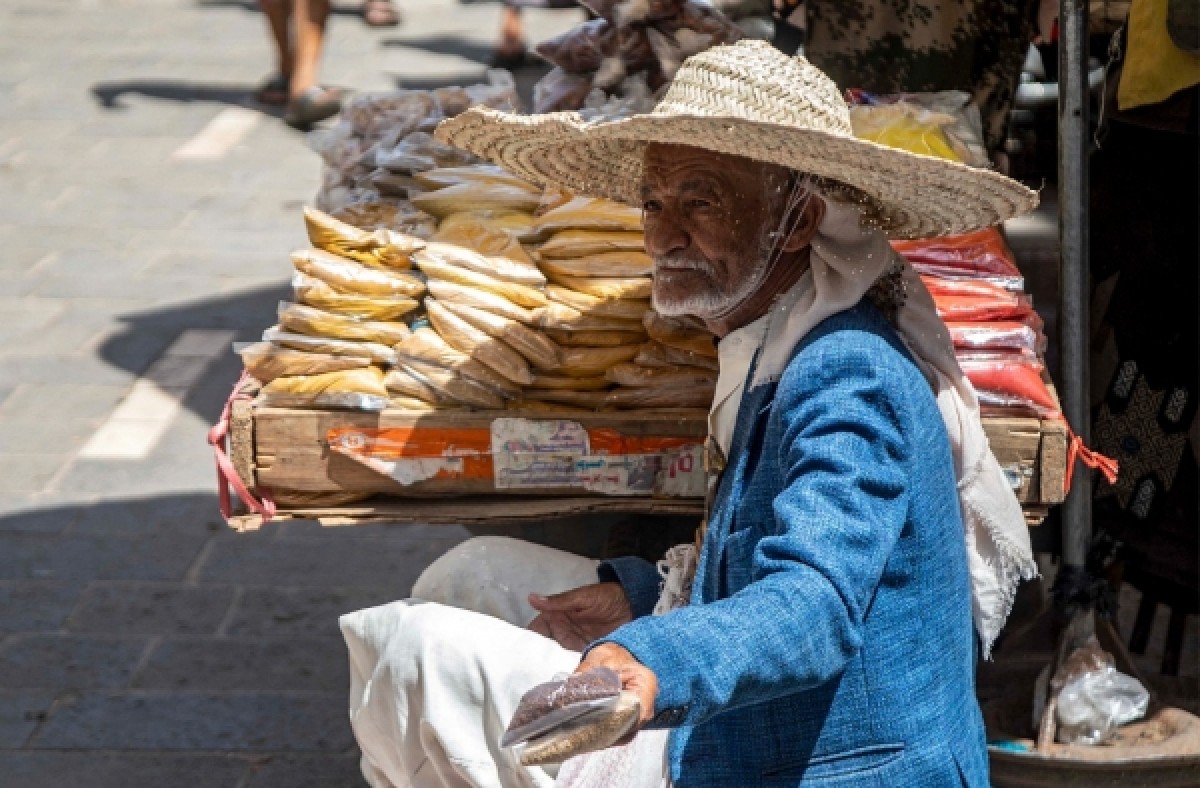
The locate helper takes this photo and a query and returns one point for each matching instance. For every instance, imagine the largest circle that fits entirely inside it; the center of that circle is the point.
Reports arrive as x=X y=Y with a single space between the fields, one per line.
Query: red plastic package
x=997 y=336
x=979 y=255
x=981 y=308
x=1011 y=382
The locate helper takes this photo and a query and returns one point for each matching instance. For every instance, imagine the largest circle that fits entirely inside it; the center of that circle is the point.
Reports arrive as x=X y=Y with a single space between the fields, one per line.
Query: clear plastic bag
x=1005 y=335
x=400 y=382
x=584 y=243
x=420 y=152
x=613 y=264
x=596 y=730
x=516 y=223
x=385 y=213
x=487 y=350
x=506 y=268
x=660 y=397
x=591 y=213
x=378 y=248
x=607 y=288
x=586 y=362
x=427 y=345
x=521 y=295
x=452 y=293
x=559 y=91
x=581 y=49
x=566 y=318
x=586 y=399
x=379 y=353
x=355 y=389
x=477 y=196
x=680 y=332
x=303 y=319
x=978 y=255
x=314 y=292
x=353 y=277
x=1093 y=705
x=480 y=174
x=622 y=309
x=595 y=338
x=266 y=361
x=563 y=699
x=656 y=354
x=1007 y=381
x=539 y=349
x=631 y=374
x=542 y=380
x=451 y=385
x=943 y=124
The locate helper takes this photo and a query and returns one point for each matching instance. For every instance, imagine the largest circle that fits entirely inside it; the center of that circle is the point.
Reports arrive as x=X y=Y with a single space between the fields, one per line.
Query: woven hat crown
x=754 y=81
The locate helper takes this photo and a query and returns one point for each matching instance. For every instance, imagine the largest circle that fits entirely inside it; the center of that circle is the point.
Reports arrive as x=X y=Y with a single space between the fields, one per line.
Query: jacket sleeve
x=638 y=577
x=839 y=515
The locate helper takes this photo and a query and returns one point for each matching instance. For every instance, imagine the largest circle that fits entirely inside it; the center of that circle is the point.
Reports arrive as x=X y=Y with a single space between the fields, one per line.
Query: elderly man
x=858 y=521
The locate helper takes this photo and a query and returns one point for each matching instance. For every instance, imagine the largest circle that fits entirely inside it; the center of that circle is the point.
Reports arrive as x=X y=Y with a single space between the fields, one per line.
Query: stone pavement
x=141 y=642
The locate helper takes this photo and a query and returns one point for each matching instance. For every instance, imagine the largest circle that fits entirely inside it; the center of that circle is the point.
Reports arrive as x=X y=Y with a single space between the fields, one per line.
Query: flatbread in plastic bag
x=591 y=400
x=583 y=243
x=266 y=361
x=656 y=354
x=680 y=332
x=632 y=374
x=378 y=248
x=485 y=174
x=595 y=338
x=356 y=389
x=316 y=293
x=539 y=349
x=546 y=380
x=506 y=268
x=484 y=239
x=612 y=264
x=476 y=197
x=586 y=362
x=400 y=382
x=420 y=152
x=450 y=292
x=452 y=385
x=428 y=346
x=379 y=353
x=566 y=318
x=624 y=309
x=303 y=319
x=660 y=397
x=607 y=288
x=519 y=294
x=350 y=276
x=485 y=349
x=518 y=224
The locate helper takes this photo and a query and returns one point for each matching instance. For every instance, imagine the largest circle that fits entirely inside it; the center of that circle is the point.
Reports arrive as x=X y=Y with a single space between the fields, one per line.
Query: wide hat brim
x=920 y=196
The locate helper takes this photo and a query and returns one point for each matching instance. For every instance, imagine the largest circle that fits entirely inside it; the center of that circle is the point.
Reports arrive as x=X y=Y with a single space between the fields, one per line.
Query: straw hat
x=747 y=100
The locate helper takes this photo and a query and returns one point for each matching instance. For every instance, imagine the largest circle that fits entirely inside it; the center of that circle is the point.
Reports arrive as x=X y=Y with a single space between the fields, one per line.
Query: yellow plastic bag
x=563 y=317
x=610 y=264
x=379 y=248
x=485 y=240
x=356 y=389
x=380 y=354
x=655 y=354
x=483 y=174
x=553 y=196
x=584 y=243
x=316 y=293
x=660 y=397
x=353 y=277
x=521 y=295
x=452 y=293
x=427 y=345
x=452 y=385
x=476 y=197
x=487 y=350
x=516 y=223
x=591 y=213
x=624 y=309
x=534 y=346
x=683 y=333
x=266 y=361
x=607 y=288
x=905 y=126
x=402 y=383
x=595 y=338
x=315 y=322
x=504 y=268
x=565 y=382
x=412 y=404
x=671 y=377
x=587 y=362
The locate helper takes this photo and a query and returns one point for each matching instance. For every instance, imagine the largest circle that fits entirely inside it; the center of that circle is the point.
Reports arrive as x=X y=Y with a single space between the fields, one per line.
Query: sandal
x=512 y=59
x=273 y=92
x=312 y=106
x=380 y=13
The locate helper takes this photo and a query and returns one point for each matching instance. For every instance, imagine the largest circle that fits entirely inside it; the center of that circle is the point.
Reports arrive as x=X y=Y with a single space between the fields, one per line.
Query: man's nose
x=665 y=235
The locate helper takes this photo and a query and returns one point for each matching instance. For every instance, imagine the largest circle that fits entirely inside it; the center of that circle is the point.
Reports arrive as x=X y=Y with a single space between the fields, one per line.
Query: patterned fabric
x=894 y=46
x=829 y=637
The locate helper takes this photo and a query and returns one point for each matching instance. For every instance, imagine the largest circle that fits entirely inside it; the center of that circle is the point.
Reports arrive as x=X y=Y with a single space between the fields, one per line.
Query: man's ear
x=806 y=225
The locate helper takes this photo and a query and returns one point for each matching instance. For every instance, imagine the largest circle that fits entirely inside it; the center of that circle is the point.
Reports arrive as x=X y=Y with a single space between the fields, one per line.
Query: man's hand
x=577 y=617
x=635 y=677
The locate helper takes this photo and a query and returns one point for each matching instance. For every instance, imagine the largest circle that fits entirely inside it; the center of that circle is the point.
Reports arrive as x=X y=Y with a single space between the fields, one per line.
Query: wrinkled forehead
x=674 y=166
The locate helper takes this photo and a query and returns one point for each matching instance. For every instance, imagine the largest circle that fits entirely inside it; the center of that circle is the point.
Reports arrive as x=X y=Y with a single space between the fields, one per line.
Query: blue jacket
x=829 y=639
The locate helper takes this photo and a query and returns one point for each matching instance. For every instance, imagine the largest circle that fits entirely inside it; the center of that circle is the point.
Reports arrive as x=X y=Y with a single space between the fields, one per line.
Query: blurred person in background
x=298 y=31
x=512 y=51
x=380 y=13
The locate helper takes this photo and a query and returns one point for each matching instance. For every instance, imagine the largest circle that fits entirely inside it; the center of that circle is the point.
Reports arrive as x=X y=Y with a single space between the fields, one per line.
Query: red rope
x=227 y=475
x=1076 y=450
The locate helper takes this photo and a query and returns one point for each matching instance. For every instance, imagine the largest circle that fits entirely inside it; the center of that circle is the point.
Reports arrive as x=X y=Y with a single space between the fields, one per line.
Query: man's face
x=707 y=219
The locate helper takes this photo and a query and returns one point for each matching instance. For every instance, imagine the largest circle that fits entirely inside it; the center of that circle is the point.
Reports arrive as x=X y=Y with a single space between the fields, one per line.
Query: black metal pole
x=1073 y=140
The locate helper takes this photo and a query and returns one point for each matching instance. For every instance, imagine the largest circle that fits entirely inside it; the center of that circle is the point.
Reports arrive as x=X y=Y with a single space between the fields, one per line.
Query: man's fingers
x=567 y=600
x=540 y=626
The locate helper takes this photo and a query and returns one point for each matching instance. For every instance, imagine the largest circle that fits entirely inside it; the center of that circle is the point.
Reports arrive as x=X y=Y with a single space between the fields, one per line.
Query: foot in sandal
x=312 y=106
x=380 y=13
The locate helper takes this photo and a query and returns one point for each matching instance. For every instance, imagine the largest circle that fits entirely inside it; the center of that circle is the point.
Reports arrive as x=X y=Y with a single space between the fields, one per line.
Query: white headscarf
x=847 y=257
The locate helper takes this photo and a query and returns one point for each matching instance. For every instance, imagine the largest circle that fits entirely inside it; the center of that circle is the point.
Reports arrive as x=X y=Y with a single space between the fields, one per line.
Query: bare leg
x=277 y=13
x=512 y=32
x=310 y=17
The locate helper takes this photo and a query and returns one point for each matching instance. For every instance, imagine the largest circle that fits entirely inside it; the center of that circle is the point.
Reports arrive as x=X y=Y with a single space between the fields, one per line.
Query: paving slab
x=315 y=664
x=150 y=609
x=69 y=661
x=85 y=557
x=218 y=722
x=21 y=711
x=36 y=605
x=338 y=771
x=40 y=769
x=300 y=612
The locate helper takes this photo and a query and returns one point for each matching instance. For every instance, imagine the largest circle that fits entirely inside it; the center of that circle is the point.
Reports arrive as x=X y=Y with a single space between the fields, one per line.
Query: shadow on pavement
x=445 y=45
x=109 y=95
